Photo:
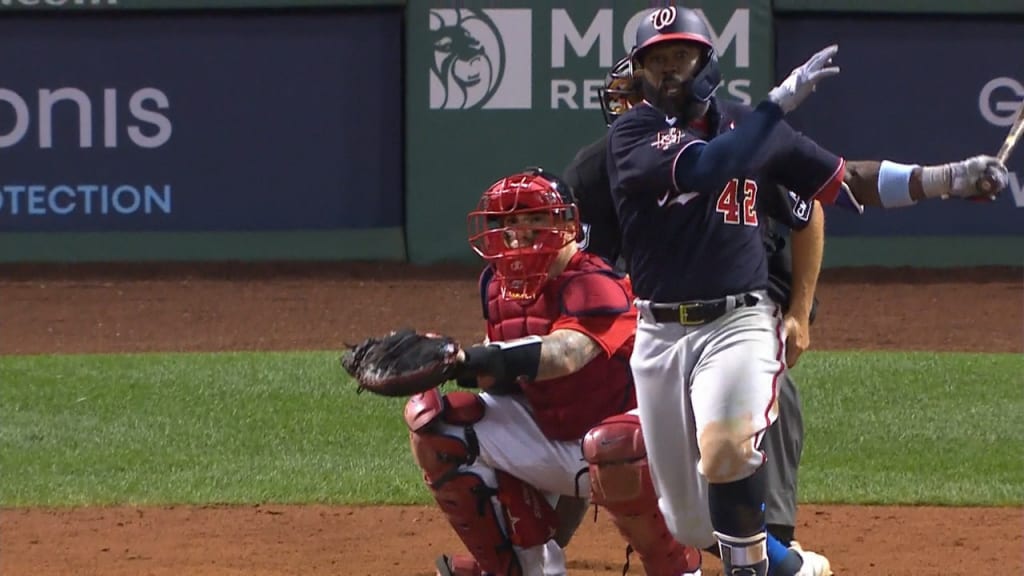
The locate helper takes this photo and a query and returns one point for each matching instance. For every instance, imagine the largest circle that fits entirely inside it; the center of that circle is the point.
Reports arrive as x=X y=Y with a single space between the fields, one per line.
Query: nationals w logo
x=663 y=17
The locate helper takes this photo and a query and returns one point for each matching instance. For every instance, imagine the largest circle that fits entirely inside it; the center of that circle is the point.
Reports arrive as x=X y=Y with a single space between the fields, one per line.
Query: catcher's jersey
x=588 y=297
x=688 y=245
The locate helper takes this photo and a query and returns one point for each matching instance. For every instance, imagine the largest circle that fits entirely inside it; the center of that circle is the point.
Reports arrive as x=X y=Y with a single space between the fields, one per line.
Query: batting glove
x=803 y=79
x=961 y=179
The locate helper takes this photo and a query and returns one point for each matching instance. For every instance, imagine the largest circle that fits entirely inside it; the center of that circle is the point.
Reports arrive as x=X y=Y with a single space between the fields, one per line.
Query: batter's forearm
x=808 y=248
x=862 y=179
x=565 y=352
x=894 y=185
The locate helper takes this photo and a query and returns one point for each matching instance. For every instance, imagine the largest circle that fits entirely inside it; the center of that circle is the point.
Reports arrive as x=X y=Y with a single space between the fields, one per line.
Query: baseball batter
x=556 y=413
x=687 y=174
x=709 y=348
x=587 y=174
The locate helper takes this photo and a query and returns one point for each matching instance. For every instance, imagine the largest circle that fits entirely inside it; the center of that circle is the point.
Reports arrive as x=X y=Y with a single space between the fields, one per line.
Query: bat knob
x=987 y=184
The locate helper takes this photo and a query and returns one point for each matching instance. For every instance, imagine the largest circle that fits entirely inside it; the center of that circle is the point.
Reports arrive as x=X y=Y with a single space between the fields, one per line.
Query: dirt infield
x=73 y=309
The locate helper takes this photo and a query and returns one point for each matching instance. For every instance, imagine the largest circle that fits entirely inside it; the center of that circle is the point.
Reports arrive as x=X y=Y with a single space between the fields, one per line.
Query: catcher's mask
x=520 y=225
x=674 y=24
x=621 y=90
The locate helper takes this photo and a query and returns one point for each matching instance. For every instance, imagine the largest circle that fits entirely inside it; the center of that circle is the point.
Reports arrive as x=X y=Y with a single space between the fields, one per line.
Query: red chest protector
x=566 y=408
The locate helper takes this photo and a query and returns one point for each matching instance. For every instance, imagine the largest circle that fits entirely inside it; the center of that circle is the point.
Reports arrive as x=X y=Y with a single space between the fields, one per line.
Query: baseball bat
x=987 y=184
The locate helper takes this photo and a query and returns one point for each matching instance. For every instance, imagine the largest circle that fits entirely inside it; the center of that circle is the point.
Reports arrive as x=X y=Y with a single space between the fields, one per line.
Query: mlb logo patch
x=801 y=207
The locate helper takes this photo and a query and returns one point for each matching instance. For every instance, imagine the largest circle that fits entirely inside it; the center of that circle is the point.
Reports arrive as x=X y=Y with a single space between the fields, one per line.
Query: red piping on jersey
x=775 y=379
x=829 y=191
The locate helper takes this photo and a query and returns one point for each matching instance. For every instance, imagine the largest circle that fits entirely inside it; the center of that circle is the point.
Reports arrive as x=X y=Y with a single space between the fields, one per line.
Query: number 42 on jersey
x=736 y=209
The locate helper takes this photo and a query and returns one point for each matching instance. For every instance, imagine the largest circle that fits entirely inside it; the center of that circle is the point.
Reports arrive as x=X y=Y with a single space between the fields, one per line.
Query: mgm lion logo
x=469 y=59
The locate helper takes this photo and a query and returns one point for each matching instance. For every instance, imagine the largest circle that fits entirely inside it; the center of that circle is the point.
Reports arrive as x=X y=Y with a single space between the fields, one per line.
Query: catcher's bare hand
x=402 y=363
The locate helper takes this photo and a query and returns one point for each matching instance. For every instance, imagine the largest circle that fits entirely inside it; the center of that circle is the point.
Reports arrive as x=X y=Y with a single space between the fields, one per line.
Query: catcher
x=554 y=417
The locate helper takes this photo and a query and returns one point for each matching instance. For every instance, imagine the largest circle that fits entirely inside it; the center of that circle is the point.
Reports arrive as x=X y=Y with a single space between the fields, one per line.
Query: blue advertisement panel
x=201 y=122
x=920 y=90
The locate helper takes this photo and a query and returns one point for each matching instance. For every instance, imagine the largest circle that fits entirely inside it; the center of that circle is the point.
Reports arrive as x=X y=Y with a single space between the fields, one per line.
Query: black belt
x=698 y=312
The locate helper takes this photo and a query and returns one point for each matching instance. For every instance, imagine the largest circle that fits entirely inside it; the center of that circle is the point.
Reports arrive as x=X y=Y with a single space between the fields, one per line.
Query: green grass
x=288 y=428
x=913 y=428
x=196 y=428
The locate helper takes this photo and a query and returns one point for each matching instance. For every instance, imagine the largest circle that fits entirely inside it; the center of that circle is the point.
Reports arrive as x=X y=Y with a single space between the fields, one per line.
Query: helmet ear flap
x=708 y=79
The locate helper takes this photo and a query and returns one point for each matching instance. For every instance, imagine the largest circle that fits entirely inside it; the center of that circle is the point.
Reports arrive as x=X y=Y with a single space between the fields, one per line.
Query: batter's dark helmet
x=672 y=23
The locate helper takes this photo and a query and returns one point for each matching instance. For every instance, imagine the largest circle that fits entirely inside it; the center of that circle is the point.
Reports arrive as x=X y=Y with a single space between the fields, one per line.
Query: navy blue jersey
x=791 y=160
x=687 y=244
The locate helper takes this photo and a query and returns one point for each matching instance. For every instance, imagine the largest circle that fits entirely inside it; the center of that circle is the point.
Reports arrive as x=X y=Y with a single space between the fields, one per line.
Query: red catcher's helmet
x=519 y=226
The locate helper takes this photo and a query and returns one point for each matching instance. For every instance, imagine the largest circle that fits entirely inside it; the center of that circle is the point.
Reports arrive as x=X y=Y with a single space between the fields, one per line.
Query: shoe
x=554 y=559
x=693 y=561
x=814 y=564
x=458 y=565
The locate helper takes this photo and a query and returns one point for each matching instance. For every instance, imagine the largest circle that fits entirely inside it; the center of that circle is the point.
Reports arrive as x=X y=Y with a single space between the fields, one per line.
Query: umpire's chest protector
x=566 y=408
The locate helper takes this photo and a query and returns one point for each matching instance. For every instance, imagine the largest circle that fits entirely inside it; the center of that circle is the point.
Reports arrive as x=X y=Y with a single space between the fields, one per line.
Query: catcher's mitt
x=402 y=363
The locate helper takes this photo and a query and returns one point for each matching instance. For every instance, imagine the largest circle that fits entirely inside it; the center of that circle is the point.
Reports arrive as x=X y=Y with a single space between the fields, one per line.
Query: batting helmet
x=672 y=23
x=520 y=225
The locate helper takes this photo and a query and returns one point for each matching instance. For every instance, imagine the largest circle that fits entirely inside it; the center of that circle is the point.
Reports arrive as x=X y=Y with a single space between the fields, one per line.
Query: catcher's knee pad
x=491 y=511
x=441 y=453
x=621 y=484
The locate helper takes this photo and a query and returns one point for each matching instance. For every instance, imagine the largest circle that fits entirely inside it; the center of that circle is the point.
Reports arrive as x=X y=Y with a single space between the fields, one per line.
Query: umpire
x=587 y=174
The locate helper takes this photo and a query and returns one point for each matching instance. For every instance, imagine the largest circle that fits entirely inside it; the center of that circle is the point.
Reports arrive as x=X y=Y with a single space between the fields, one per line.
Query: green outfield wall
x=535 y=102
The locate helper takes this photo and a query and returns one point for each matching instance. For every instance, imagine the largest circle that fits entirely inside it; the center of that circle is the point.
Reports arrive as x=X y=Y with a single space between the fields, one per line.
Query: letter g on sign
x=999 y=100
x=663 y=17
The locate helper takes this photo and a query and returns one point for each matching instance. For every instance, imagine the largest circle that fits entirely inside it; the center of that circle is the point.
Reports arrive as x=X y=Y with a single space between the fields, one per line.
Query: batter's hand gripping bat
x=987 y=184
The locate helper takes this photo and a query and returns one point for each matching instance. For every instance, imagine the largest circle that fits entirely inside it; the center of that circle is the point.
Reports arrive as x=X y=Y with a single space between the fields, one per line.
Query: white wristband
x=894 y=184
